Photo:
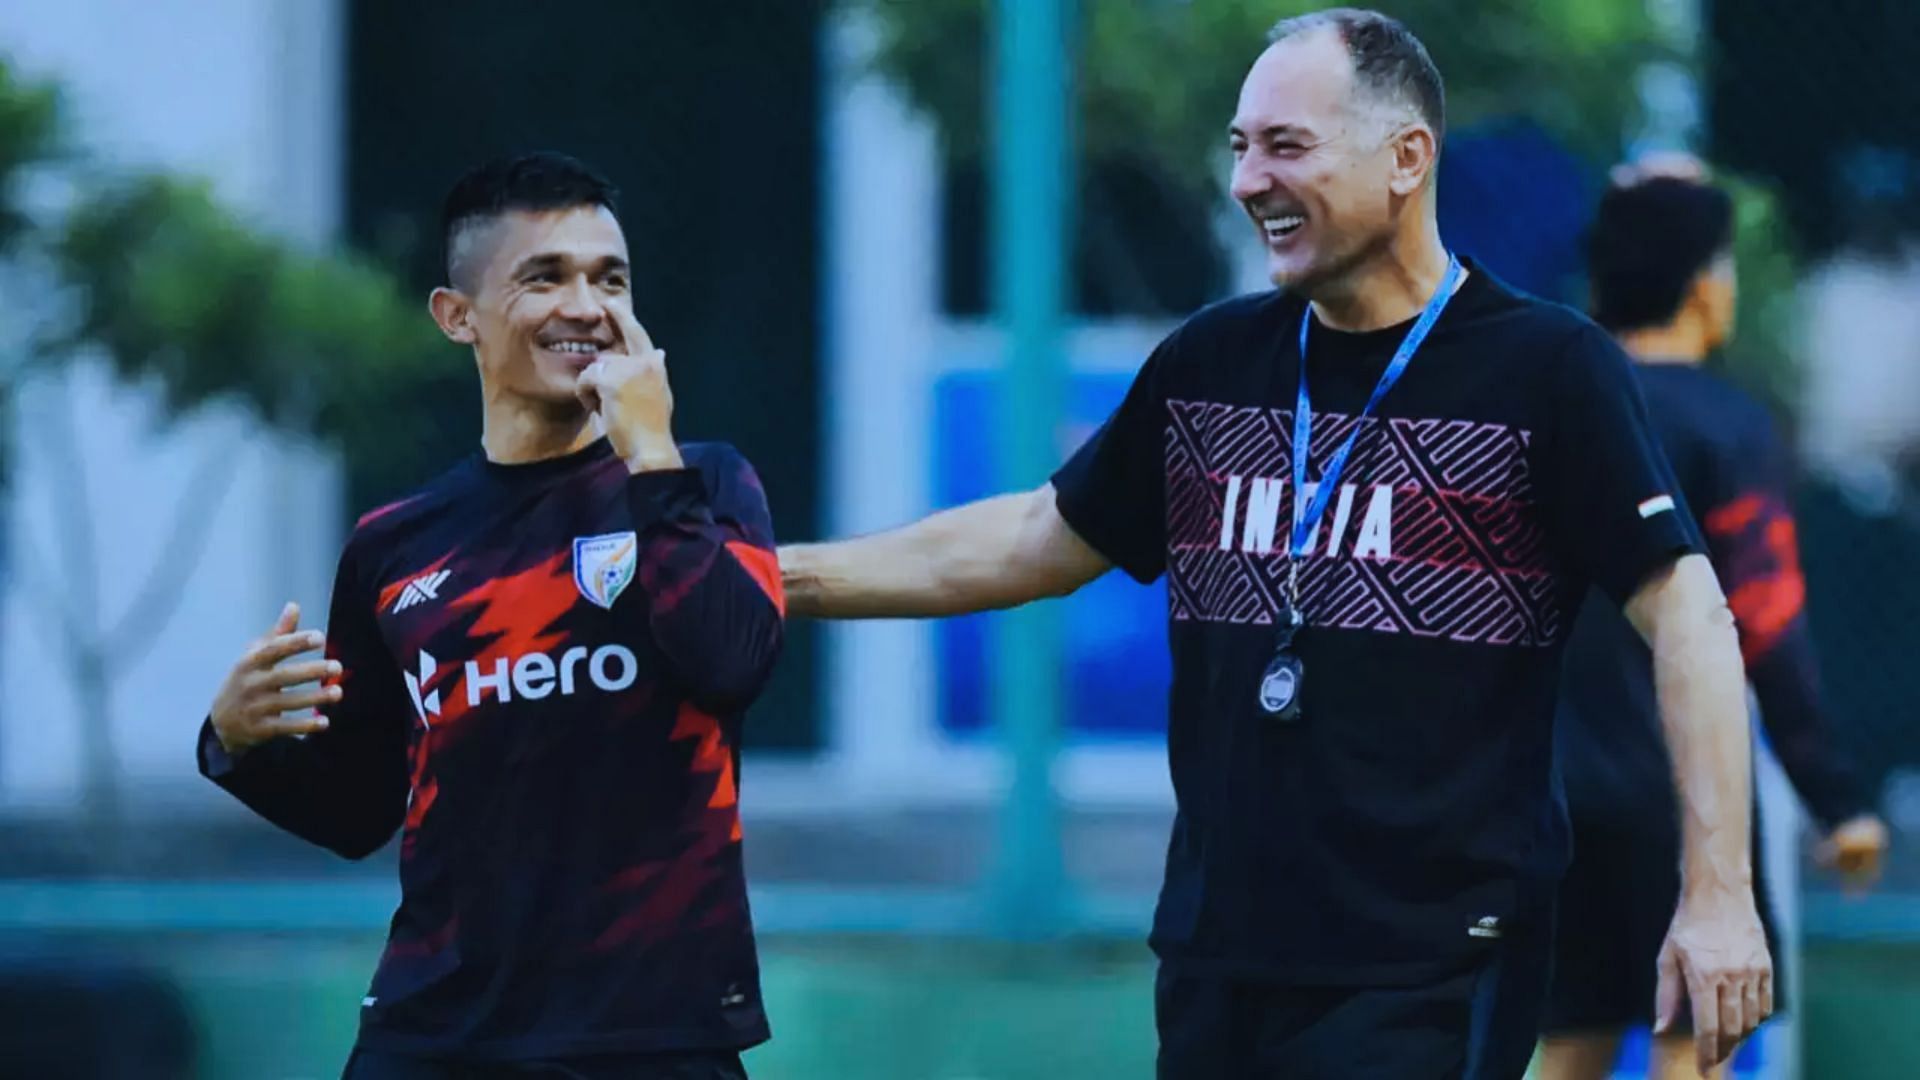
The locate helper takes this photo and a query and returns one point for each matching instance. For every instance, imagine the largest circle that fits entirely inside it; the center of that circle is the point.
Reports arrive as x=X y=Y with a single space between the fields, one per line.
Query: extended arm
x=995 y=553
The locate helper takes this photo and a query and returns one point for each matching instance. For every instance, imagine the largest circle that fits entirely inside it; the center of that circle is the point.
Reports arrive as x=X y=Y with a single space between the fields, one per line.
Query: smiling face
x=1323 y=167
x=537 y=295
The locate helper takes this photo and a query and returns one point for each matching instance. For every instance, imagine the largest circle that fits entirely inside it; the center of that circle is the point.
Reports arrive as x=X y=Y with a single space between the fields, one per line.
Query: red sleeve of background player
x=1751 y=537
x=707 y=565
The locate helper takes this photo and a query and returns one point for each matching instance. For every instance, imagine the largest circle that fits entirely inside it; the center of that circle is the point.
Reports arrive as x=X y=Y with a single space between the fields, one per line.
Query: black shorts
x=1616 y=904
x=367 y=1064
x=1481 y=1024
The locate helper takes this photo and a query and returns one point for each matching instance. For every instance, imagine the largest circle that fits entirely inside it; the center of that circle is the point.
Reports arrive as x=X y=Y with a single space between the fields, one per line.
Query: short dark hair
x=1648 y=242
x=1388 y=60
x=535 y=182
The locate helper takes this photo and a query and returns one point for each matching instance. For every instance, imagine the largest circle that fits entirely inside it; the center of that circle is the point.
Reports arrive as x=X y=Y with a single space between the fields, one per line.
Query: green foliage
x=172 y=286
x=1762 y=355
x=1158 y=79
x=168 y=285
x=176 y=291
x=29 y=125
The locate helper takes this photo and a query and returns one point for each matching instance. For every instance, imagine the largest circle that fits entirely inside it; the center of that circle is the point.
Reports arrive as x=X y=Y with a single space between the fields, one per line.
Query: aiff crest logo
x=603 y=565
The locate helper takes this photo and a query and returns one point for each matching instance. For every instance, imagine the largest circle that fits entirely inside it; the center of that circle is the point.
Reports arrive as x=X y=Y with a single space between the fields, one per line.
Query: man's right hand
x=252 y=704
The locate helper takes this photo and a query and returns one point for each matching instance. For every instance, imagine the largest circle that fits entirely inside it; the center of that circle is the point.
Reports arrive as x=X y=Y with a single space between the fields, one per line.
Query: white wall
x=247 y=93
x=887 y=345
x=882 y=231
x=1861 y=405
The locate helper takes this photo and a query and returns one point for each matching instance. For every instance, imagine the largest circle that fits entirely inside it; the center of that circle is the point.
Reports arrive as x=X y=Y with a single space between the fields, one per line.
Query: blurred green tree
x=1157 y=81
x=173 y=286
x=1159 y=78
x=29 y=119
x=152 y=276
x=1762 y=356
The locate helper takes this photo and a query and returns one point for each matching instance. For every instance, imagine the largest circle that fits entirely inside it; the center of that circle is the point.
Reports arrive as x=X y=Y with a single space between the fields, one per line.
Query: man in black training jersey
x=536 y=669
x=1373 y=560
x=1661 y=268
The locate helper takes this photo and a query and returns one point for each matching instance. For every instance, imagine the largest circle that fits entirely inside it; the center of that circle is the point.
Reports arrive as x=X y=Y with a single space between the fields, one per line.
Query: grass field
x=281 y=1007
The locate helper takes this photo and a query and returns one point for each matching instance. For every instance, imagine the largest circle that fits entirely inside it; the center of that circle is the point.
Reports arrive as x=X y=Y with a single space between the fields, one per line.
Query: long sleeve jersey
x=545 y=672
x=1733 y=470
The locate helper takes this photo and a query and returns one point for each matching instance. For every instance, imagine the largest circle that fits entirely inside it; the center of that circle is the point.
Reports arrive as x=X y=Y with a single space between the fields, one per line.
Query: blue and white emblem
x=603 y=565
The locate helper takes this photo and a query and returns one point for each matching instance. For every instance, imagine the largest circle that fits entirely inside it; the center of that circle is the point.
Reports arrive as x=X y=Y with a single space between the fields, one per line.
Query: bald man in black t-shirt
x=1378 y=495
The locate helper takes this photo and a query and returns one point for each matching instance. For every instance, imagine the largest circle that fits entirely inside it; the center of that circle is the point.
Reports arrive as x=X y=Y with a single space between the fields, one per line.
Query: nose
x=1250 y=178
x=577 y=301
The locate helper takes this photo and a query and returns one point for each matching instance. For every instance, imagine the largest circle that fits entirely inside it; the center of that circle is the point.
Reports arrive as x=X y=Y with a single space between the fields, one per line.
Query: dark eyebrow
x=554 y=261
x=533 y=263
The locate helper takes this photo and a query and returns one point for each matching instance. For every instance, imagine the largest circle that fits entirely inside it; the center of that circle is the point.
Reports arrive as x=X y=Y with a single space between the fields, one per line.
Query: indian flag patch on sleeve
x=1659 y=504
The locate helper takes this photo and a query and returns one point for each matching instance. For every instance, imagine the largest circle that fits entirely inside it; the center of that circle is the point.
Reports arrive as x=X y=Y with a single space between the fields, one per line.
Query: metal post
x=1033 y=159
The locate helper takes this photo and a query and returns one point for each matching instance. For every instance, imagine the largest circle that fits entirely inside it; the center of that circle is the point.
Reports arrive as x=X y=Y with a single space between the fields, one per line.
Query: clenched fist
x=254 y=701
x=628 y=390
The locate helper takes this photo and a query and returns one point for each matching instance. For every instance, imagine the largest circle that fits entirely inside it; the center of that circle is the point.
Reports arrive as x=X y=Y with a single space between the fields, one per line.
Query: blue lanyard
x=1303 y=411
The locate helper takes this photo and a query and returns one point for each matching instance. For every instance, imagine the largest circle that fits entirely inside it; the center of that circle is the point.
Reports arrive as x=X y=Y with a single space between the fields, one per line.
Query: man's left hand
x=1716 y=953
x=628 y=390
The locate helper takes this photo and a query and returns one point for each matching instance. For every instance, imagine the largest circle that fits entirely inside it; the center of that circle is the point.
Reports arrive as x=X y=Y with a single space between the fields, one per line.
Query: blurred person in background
x=536 y=667
x=1662 y=277
x=1363 y=867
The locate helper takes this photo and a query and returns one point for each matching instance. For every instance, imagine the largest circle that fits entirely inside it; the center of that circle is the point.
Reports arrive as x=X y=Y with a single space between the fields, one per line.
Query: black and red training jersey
x=1735 y=472
x=545 y=671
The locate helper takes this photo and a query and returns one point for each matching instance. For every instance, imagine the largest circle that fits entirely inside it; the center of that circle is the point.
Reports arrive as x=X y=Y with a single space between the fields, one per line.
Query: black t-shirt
x=545 y=671
x=1411 y=812
x=1734 y=471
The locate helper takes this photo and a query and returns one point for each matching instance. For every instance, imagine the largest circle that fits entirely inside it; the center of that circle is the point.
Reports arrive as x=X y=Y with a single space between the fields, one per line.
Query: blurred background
x=887 y=243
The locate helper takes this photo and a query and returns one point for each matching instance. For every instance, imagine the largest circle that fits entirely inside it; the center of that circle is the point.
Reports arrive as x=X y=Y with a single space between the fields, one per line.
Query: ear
x=453 y=310
x=1415 y=152
x=1712 y=298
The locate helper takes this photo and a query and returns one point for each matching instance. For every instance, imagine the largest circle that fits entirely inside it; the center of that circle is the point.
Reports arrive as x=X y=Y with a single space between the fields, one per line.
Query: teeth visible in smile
x=582 y=347
x=1281 y=226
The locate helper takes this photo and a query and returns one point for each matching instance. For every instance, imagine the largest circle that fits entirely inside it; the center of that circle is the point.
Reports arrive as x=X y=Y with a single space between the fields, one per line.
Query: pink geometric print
x=1468 y=561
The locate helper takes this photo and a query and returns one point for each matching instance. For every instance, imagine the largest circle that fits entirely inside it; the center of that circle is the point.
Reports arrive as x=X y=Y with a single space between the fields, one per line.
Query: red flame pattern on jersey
x=562 y=768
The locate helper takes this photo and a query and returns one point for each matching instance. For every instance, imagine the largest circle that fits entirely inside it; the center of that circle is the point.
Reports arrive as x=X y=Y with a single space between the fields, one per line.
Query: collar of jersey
x=534 y=472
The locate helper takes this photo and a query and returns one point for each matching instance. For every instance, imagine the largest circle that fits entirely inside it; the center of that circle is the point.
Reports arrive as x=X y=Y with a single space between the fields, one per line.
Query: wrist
x=1715 y=888
x=796 y=560
x=230 y=745
x=800 y=581
x=653 y=453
